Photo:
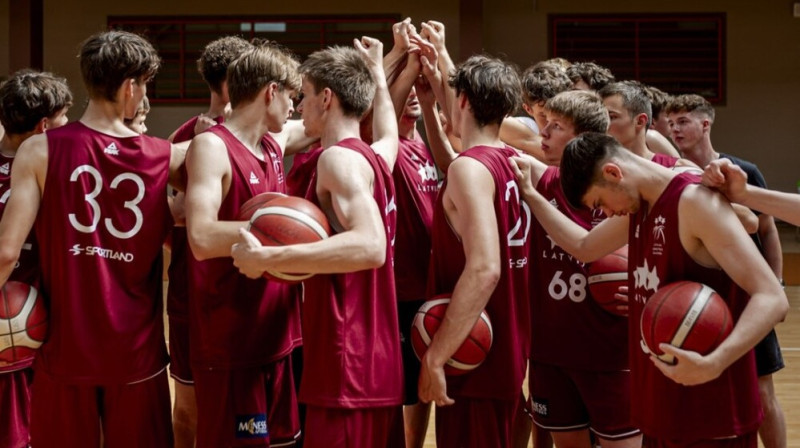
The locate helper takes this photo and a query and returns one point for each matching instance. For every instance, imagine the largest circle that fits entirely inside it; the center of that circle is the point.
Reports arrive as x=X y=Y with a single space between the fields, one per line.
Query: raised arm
x=344 y=182
x=293 y=138
x=433 y=32
x=396 y=57
x=516 y=134
x=27 y=184
x=711 y=234
x=209 y=170
x=384 y=122
x=470 y=193
x=438 y=142
x=586 y=246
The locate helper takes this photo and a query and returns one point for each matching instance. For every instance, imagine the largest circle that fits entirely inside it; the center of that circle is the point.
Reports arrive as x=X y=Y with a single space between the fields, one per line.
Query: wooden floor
x=787 y=381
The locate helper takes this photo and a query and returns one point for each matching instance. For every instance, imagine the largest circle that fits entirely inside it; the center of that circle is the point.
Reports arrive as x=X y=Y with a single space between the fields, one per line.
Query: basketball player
x=479 y=257
x=213 y=67
x=676 y=230
x=136 y=124
x=579 y=380
x=242 y=330
x=30 y=103
x=690 y=120
x=352 y=378
x=658 y=100
x=589 y=76
x=100 y=226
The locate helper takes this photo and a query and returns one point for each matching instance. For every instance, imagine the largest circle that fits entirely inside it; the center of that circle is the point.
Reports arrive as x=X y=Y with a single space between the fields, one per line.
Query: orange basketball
x=256 y=202
x=23 y=322
x=473 y=350
x=685 y=314
x=289 y=220
x=606 y=276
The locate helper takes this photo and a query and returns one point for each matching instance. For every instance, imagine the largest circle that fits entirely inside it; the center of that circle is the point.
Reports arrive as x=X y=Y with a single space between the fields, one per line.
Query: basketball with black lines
x=688 y=315
x=473 y=350
x=285 y=221
x=23 y=322
x=256 y=202
x=606 y=275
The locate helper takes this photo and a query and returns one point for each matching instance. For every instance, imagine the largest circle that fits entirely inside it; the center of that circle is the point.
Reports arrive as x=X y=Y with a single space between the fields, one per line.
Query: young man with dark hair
x=102 y=372
x=352 y=374
x=479 y=256
x=691 y=118
x=31 y=102
x=676 y=230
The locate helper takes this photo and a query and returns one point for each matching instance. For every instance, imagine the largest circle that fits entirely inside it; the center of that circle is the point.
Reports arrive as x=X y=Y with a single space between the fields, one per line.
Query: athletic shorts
x=411 y=364
x=768 y=355
x=132 y=415
x=570 y=400
x=476 y=423
x=749 y=440
x=15 y=408
x=247 y=407
x=179 y=367
x=354 y=428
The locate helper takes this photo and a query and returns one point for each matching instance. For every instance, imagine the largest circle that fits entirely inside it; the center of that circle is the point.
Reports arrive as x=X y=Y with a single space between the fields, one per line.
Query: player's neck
x=336 y=130
x=10 y=143
x=407 y=128
x=218 y=107
x=488 y=135
x=106 y=117
x=248 y=127
x=639 y=147
x=652 y=179
x=702 y=153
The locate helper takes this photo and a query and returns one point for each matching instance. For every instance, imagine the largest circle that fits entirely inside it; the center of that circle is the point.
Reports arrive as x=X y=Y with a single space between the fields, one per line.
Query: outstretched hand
x=371 y=50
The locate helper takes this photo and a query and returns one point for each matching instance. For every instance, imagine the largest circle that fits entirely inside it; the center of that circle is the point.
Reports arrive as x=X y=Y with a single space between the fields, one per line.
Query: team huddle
x=503 y=215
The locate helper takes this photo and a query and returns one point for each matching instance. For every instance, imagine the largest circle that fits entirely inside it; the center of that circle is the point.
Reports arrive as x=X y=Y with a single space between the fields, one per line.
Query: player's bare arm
x=517 y=135
x=433 y=32
x=384 y=121
x=658 y=143
x=470 y=193
x=209 y=171
x=27 y=184
x=293 y=138
x=344 y=186
x=711 y=234
x=585 y=245
x=395 y=58
x=438 y=142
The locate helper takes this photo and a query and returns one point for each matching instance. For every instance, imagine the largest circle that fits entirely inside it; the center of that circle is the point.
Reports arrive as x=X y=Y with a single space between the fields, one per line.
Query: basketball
x=288 y=220
x=606 y=275
x=471 y=353
x=23 y=322
x=256 y=202
x=685 y=314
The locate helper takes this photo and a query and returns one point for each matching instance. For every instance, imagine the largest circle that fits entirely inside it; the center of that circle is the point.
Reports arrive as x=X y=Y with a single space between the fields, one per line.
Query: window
x=180 y=41
x=676 y=53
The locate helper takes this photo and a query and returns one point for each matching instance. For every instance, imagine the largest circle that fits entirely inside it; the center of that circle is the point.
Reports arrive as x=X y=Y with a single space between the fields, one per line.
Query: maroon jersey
x=726 y=406
x=299 y=177
x=568 y=328
x=664 y=160
x=351 y=338
x=416 y=183
x=235 y=321
x=500 y=376
x=101 y=223
x=177 y=290
x=27 y=268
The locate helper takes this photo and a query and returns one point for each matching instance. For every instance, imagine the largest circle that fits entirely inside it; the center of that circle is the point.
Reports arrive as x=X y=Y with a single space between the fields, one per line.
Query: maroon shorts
x=476 y=423
x=247 y=407
x=354 y=428
x=749 y=440
x=570 y=400
x=15 y=408
x=132 y=415
x=179 y=366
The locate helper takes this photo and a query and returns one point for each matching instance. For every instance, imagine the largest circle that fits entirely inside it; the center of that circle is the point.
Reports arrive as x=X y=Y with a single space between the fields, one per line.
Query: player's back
x=102 y=220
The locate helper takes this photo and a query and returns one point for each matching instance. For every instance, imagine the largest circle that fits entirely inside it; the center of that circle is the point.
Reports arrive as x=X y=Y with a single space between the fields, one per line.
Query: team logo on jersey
x=112 y=149
x=659 y=239
x=5 y=168
x=253 y=178
x=646 y=279
x=102 y=253
x=251 y=426
x=427 y=172
x=276 y=164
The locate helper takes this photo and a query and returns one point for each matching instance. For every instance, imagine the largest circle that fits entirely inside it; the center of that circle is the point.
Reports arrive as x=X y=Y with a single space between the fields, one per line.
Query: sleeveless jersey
x=27 y=268
x=568 y=327
x=304 y=166
x=235 y=321
x=416 y=183
x=664 y=160
x=178 y=288
x=351 y=338
x=101 y=223
x=726 y=406
x=501 y=374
